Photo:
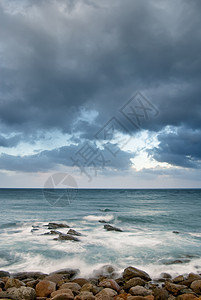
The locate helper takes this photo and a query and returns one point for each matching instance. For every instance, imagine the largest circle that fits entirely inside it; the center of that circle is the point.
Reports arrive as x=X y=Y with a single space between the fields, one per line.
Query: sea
x=161 y=230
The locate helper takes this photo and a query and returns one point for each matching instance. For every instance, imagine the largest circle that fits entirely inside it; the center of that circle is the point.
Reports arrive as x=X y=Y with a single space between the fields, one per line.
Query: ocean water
x=147 y=218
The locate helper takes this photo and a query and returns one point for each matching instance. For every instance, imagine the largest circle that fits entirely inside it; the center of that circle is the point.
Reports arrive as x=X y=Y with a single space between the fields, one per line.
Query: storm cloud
x=70 y=66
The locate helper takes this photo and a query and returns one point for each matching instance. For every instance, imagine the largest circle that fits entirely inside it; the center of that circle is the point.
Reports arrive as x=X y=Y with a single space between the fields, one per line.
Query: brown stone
x=64 y=296
x=133 y=282
x=80 y=281
x=59 y=292
x=160 y=293
x=178 y=279
x=131 y=272
x=110 y=283
x=136 y=298
x=174 y=288
x=122 y=296
x=12 y=282
x=44 y=288
x=54 y=277
x=85 y=296
x=70 y=285
x=196 y=286
x=186 y=297
x=106 y=294
x=139 y=291
x=149 y=297
x=32 y=283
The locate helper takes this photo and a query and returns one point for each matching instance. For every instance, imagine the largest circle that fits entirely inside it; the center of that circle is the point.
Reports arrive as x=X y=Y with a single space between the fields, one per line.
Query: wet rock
x=176 y=232
x=85 y=296
x=136 y=298
x=44 y=288
x=66 y=237
x=132 y=272
x=32 y=283
x=193 y=276
x=160 y=293
x=186 y=297
x=12 y=282
x=112 y=228
x=196 y=286
x=164 y=276
x=105 y=271
x=62 y=291
x=74 y=287
x=52 y=232
x=22 y=293
x=65 y=296
x=178 y=279
x=25 y=275
x=106 y=294
x=139 y=291
x=74 y=232
x=80 y=281
x=53 y=225
x=187 y=291
x=55 y=277
x=2 y=284
x=133 y=282
x=68 y=272
x=121 y=296
x=4 y=274
x=110 y=283
x=174 y=288
x=102 y=221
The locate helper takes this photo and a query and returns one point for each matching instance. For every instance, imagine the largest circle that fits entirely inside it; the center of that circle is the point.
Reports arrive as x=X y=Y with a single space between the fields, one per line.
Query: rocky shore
x=132 y=284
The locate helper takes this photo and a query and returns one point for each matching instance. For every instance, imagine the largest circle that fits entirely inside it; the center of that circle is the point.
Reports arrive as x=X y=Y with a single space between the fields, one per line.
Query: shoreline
x=131 y=284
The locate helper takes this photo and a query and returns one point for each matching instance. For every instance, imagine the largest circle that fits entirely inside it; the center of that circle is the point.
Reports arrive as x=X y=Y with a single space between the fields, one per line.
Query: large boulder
x=160 y=293
x=22 y=293
x=112 y=228
x=44 y=288
x=80 y=281
x=139 y=291
x=73 y=286
x=196 y=286
x=132 y=272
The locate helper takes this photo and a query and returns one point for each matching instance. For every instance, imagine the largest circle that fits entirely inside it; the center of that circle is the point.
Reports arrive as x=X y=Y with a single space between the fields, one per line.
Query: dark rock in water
x=4 y=274
x=132 y=272
x=68 y=273
x=177 y=261
x=112 y=228
x=35 y=226
x=73 y=232
x=52 y=232
x=102 y=221
x=107 y=271
x=177 y=232
x=66 y=237
x=52 y=225
x=25 y=275
x=34 y=229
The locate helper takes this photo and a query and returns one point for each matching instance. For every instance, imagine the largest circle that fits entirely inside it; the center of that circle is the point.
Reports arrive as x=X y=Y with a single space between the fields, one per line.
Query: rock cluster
x=134 y=284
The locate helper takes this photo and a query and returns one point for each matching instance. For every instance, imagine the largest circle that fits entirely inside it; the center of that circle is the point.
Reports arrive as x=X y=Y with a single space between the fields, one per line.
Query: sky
x=108 y=92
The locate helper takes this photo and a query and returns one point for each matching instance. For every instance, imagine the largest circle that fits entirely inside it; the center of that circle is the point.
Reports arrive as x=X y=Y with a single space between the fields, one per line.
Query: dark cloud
x=63 y=55
x=72 y=156
x=182 y=148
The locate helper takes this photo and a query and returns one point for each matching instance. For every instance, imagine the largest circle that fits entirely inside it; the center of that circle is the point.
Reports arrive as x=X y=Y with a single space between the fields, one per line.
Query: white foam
x=106 y=218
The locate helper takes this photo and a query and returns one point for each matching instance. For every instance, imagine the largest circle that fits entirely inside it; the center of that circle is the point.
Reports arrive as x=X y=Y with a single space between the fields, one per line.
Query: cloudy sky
x=107 y=91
